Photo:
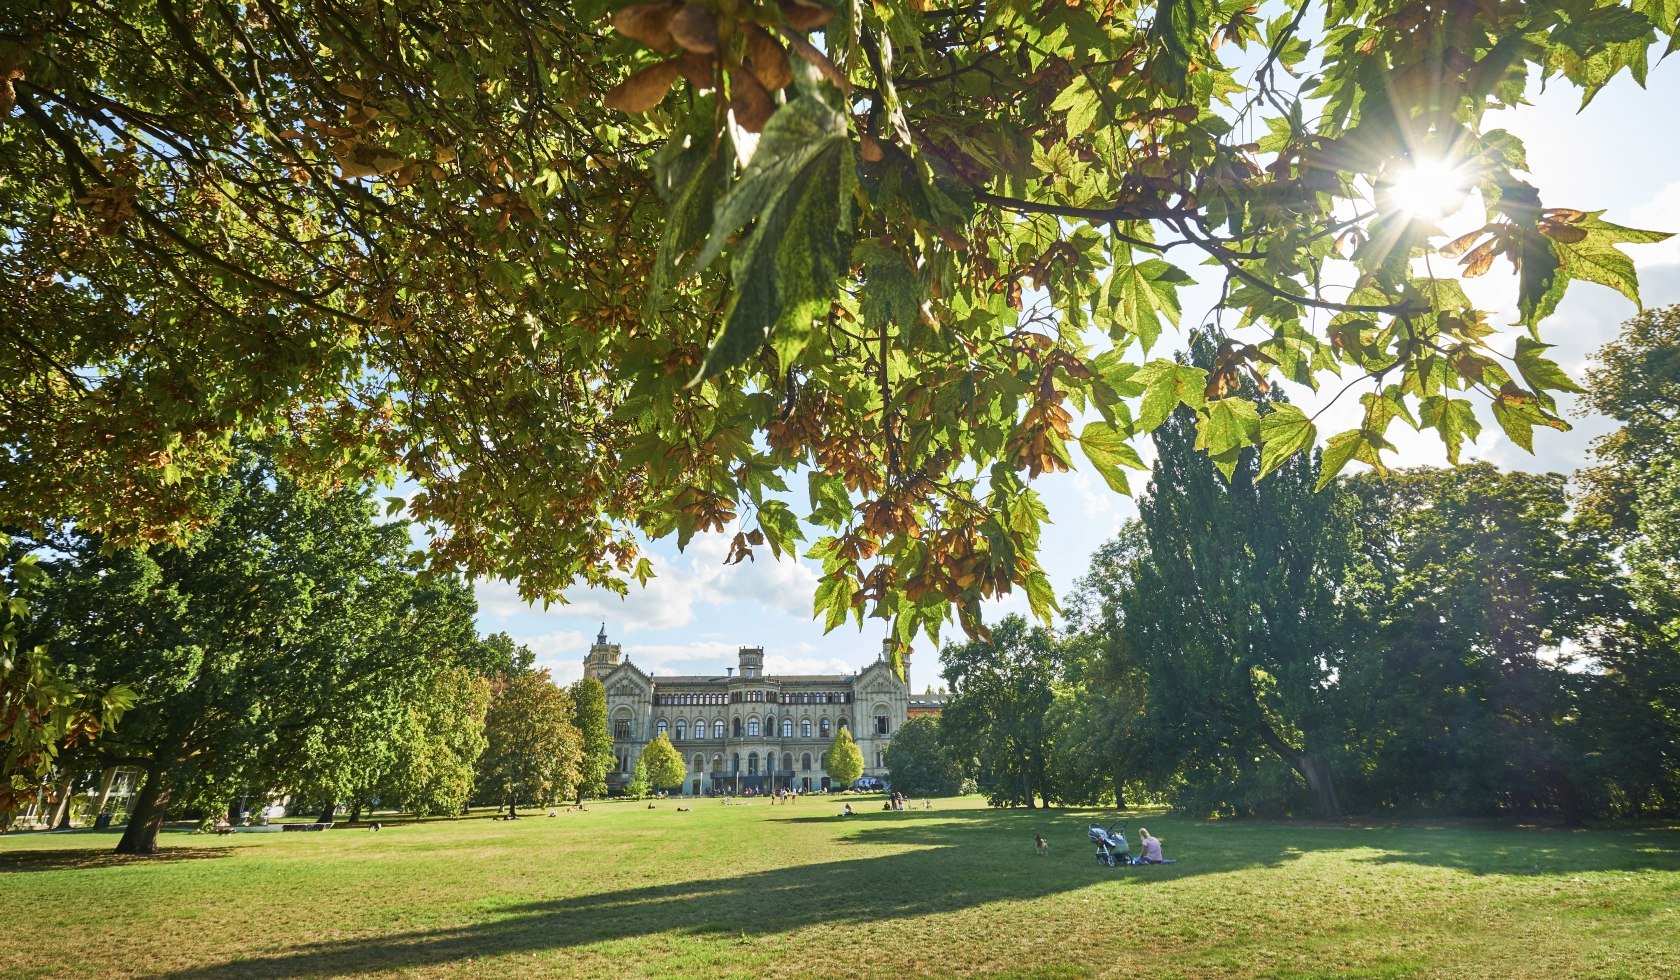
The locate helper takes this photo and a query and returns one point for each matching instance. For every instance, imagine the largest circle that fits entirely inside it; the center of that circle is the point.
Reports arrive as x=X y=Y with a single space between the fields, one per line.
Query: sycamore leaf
x=1166 y=386
x=1108 y=450
x=1173 y=35
x=1595 y=258
x=1139 y=293
x=1284 y=431
x=1453 y=418
x=1346 y=447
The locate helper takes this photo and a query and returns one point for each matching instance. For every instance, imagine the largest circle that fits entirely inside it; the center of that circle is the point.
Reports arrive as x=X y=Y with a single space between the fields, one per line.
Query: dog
x=683 y=809
x=1042 y=845
x=374 y=827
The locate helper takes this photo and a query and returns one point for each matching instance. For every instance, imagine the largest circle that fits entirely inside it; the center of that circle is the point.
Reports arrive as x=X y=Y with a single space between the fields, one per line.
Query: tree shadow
x=961 y=863
x=87 y=859
x=1536 y=852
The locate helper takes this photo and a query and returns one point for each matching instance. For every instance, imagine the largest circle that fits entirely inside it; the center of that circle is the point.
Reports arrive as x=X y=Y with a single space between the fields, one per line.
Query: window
x=752 y=728
x=717 y=763
x=621 y=729
x=770 y=727
x=752 y=763
x=878 y=757
x=735 y=760
x=805 y=762
x=787 y=761
x=682 y=730
x=737 y=732
x=822 y=727
x=699 y=763
x=787 y=727
x=880 y=725
x=662 y=727
x=805 y=728
x=717 y=728
x=845 y=724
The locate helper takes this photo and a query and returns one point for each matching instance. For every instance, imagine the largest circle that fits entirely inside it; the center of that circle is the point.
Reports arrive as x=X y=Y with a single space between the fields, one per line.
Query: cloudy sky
x=1619 y=155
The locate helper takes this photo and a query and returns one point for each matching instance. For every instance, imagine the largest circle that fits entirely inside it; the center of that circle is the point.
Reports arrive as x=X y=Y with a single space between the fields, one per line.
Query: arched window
x=822 y=727
x=844 y=723
x=752 y=727
x=735 y=762
x=805 y=728
x=787 y=727
x=770 y=727
x=787 y=761
x=717 y=728
x=682 y=730
x=717 y=763
x=805 y=762
x=699 y=763
x=752 y=763
x=661 y=727
x=737 y=731
x=878 y=763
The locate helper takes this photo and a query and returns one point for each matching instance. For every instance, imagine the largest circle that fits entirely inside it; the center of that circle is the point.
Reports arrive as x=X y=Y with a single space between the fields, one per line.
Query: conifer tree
x=843 y=760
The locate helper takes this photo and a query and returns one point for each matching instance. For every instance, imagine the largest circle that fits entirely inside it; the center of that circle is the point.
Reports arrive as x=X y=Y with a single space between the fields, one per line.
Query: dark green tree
x=277 y=649
x=919 y=762
x=1232 y=615
x=1001 y=689
x=589 y=706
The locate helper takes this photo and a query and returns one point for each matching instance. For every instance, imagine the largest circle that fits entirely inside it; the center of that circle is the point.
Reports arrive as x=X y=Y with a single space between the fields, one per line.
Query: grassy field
x=798 y=891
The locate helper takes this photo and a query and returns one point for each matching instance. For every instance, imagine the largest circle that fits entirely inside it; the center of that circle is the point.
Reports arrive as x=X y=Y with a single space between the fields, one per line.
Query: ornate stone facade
x=744 y=729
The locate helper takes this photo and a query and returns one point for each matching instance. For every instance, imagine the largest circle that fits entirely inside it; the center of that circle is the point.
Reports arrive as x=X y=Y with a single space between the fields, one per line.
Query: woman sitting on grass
x=1152 y=848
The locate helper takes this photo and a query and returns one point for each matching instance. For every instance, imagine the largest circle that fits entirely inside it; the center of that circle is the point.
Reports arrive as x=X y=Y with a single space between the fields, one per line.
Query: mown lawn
x=797 y=891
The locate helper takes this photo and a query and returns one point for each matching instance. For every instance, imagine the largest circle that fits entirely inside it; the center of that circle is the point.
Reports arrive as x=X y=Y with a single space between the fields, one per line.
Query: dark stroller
x=1111 y=845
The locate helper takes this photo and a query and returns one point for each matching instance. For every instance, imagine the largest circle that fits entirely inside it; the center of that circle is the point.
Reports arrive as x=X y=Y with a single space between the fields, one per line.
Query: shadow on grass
x=86 y=858
x=969 y=860
x=1535 y=852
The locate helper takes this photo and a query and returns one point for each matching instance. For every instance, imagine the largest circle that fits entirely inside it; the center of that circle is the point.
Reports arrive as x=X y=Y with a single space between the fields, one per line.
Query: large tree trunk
x=235 y=811
x=105 y=782
x=1312 y=768
x=356 y=811
x=1119 y=791
x=145 y=818
x=510 y=814
x=327 y=812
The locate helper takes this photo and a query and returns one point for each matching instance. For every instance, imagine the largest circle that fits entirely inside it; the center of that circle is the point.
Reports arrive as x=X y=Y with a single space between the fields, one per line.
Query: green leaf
x=1173 y=34
x=797 y=191
x=690 y=172
x=1284 y=431
x=1108 y=450
x=1139 y=293
x=1595 y=258
x=1453 y=418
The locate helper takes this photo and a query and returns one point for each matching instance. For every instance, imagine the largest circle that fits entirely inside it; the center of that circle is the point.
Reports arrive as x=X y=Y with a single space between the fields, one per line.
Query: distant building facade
x=744 y=729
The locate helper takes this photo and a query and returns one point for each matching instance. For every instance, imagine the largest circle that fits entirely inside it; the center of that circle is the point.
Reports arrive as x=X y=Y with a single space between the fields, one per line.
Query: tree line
x=1461 y=640
x=295 y=646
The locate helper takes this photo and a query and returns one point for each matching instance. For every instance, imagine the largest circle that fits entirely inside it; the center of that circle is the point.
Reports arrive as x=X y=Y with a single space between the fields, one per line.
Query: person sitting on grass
x=1152 y=848
x=846 y=812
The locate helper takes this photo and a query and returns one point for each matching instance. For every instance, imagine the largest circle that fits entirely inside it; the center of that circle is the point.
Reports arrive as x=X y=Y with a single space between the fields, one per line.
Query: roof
x=669 y=679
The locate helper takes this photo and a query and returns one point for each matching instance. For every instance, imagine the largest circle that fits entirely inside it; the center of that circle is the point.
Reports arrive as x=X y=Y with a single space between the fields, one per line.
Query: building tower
x=603 y=656
x=752 y=661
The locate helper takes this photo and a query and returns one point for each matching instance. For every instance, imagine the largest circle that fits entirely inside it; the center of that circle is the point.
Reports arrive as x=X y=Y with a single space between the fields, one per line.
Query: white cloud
x=1660 y=213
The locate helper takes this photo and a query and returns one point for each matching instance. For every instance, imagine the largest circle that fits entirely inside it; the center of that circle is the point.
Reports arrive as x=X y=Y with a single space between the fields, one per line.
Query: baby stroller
x=1111 y=845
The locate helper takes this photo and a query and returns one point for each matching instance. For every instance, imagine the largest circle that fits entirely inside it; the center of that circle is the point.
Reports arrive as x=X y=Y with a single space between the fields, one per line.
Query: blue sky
x=1620 y=155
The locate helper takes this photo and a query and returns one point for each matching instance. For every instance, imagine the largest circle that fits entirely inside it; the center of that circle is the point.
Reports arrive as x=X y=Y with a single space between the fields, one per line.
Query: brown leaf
x=805 y=15
x=749 y=101
x=643 y=90
x=766 y=59
x=869 y=149
x=695 y=29
x=1480 y=259
x=1567 y=234
x=649 y=23
x=1461 y=244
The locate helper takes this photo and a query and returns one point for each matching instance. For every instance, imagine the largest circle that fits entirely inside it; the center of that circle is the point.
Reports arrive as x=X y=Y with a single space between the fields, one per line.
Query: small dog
x=374 y=827
x=683 y=809
x=1042 y=845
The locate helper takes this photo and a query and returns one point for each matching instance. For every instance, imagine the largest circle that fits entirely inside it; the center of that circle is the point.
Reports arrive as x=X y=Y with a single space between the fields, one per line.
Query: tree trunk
x=145 y=818
x=61 y=811
x=510 y=814
x=235 y=811
x=356 y=811
x=1119 y=791
x=327 y=812
x=105 y=782
x=1321 y=782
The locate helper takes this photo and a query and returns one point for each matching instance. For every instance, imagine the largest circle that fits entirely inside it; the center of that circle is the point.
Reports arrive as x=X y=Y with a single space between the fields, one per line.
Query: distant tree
x=1000 y=691
x=843 y=760
x=534 y=750
x=665 y=767
x=640 y=783
x=918 y=762
x=438 y=746
x=1637 y=383
x=589 y=706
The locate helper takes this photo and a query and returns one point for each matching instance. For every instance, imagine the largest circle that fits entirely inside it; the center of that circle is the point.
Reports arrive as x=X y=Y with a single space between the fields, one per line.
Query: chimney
x=729 y=671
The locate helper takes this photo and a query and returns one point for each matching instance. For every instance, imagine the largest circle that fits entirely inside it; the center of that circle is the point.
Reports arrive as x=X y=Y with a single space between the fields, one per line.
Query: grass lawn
x=797 y=891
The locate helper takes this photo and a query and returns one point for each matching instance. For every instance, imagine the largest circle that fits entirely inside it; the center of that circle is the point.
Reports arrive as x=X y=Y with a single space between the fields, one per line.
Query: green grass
x=796 y=891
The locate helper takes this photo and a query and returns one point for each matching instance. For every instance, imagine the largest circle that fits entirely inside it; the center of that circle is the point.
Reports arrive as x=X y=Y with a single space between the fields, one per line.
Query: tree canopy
x=534 y=749
x=843 y=760
x=900 y=244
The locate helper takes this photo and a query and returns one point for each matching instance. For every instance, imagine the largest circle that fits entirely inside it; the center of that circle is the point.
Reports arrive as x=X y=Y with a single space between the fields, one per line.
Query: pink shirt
x=1152 y=848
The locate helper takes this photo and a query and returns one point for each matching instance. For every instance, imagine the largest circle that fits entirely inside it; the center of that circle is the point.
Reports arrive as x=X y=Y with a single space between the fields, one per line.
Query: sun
x=1426 y=188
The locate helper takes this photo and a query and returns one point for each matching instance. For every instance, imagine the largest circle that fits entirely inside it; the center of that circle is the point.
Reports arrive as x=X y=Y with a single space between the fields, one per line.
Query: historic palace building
x=746 y=730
